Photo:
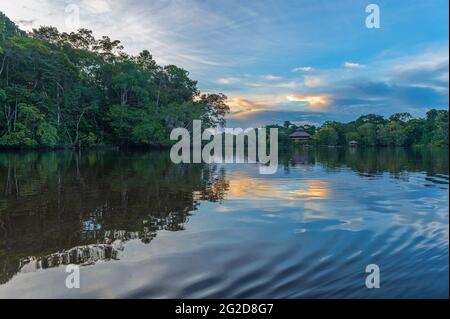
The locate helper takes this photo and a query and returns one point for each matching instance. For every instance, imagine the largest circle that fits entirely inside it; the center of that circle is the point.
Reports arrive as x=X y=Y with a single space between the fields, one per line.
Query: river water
x=140 y=226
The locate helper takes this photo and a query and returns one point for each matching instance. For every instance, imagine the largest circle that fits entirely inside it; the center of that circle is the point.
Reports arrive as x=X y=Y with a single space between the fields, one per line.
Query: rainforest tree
x=71 y=89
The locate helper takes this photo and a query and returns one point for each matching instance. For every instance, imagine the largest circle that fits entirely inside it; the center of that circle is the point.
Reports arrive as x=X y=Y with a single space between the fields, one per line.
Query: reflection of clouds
x=314 y=210
x=329 y=201
x=310 y=215
x=244 y=187
x=314 y=190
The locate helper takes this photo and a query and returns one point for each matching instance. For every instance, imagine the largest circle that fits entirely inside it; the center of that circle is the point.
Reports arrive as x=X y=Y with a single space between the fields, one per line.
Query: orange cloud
x=314 y=101
x=241 y=107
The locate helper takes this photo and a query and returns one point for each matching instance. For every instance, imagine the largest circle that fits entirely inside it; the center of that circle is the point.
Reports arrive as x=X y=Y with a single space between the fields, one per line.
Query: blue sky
x=303 y=61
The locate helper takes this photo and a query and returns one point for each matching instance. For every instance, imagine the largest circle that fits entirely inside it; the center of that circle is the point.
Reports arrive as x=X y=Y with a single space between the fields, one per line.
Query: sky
x=299 y=60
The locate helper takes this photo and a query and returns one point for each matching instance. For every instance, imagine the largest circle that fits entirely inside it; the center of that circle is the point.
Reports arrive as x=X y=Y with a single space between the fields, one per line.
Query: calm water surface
x=142 y=227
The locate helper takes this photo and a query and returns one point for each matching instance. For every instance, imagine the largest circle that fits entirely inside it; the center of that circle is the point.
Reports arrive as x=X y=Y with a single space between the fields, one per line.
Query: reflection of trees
x=81 y=255
x=216 y=189
x=372 y=161
x=292 y=157
x=65 y=207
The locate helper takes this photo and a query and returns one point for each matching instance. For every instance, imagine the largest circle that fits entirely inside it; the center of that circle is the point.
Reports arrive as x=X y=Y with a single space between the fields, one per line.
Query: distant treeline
x=73 y=90
x=400 y=129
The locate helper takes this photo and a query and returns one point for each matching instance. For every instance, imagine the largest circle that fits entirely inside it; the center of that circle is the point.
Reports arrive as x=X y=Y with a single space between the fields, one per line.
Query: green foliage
x=368 y=133
x=151 y=132
x=327 y=136
x=71 y=89
x=436 y=127
x=7 y=28
x=401 y=129
x=91 y=138
x=48 y=135
x=17 y=139
x=391 y=134
x=352 y=136
x=370 y=118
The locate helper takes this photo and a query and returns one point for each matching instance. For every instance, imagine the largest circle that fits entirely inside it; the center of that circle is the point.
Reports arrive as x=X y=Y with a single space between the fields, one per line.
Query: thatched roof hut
x=300 y=135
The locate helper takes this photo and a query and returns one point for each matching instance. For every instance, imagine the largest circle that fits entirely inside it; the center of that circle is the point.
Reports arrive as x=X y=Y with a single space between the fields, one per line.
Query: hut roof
x=353 y=142
x=300 y=133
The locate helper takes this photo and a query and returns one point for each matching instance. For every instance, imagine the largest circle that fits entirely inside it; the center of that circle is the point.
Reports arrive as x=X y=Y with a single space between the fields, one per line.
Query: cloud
x=314 y=81
x=96 y=6
x=26 y=22
x=411 y=83
x=240 y=106
x=267 y=117
x=255 y=85
x=270 y=77
x=226 y=81
x=189 y=33
x=303 y=69
x=316 y=102
x=387 y=86
x=244 y=106
x=426 y=70
x=291 y=85
x=352 y=65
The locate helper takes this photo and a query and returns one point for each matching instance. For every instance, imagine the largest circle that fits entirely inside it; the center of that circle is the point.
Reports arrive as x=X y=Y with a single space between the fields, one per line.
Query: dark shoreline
x=283 y=147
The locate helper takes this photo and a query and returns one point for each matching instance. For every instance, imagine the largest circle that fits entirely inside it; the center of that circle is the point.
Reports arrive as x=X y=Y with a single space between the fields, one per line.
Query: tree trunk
x=15 y=117
x=3 y=64
x=77 y=142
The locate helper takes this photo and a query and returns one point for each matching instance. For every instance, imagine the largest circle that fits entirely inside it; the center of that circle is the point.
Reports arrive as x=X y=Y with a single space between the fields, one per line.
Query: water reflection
x=246 y=187
x=59 y=208
x=63 y=207
x=371 y=161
